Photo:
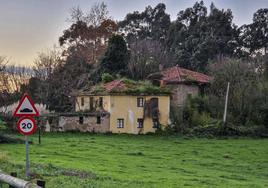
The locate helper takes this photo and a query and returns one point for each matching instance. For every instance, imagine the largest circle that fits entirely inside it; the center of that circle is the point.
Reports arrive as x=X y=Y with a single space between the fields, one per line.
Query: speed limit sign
x=26 y=125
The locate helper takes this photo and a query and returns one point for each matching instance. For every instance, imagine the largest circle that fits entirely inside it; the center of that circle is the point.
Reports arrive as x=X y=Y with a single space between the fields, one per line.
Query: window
x=91 y=101
x=82 y=101
x=140 y=123
x=50 y=120
x=98 y=120
x=140 y=102
x=100 y=101
x=120 y=123
x=81 y=120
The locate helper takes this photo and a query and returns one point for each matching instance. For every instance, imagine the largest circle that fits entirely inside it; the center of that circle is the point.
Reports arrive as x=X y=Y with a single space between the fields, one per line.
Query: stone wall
x=87 y=122
x=84 y=124
x=180 y=92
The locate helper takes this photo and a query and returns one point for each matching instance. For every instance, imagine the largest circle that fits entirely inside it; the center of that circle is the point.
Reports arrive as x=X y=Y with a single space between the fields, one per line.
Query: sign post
x=27 y=165
x=26 y=124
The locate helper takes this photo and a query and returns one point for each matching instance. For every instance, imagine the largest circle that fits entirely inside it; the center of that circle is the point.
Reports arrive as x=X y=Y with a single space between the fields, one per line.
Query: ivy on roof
x=130 y=87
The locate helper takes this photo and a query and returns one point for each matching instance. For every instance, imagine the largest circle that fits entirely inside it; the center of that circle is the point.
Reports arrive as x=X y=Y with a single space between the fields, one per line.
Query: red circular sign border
x=34 y=124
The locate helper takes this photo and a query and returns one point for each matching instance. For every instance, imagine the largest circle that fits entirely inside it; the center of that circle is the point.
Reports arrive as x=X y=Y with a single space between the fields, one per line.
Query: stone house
x=126 y=106
x=133 y=107
x=183 y=83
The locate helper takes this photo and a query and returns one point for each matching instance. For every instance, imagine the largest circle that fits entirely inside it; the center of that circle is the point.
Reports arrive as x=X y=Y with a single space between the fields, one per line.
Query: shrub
x=196 y=111
x=199 y=119
x=2 y=125
x=106 y=77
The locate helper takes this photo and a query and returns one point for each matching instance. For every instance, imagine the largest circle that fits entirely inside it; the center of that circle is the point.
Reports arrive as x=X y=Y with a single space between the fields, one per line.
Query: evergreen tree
x=116 y=56
x=196 y=37
x=255 y=35
x=152 y=23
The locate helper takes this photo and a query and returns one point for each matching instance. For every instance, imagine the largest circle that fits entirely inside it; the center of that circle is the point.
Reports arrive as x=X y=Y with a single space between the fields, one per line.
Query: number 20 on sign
x=26 y=125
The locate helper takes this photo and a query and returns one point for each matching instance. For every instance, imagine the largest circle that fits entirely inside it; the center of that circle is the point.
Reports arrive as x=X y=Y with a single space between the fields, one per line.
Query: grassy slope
x=143 y=161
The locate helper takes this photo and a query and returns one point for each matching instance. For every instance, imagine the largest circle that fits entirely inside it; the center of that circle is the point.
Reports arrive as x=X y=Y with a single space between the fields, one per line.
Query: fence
x=14 y=182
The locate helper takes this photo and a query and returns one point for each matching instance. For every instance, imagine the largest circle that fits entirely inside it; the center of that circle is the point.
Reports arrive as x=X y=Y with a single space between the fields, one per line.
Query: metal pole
x=226 y=104
x=27 y=166
x=39 y=132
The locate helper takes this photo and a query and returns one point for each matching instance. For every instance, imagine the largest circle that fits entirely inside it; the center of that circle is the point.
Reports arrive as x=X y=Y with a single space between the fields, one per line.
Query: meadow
x=89 y=160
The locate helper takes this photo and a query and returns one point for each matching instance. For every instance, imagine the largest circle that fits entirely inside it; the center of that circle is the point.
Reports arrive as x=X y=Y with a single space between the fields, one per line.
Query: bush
x=106 y=77
x=199 y=119
x=2 y=125
x=196 y=111
x=247 y=100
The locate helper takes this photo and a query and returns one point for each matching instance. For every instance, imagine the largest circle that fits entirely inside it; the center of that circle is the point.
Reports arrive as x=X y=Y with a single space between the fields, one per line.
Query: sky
x=28 y=27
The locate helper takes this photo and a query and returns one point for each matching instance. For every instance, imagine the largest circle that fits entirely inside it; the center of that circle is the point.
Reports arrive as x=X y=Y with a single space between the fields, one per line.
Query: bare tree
x=44 y=66
x=12 y=78
x=45 y=63
x=97 y=14
x=3 y=63
x=17 y=76
x=88 y=35
x=147 y=56
x=76 y=15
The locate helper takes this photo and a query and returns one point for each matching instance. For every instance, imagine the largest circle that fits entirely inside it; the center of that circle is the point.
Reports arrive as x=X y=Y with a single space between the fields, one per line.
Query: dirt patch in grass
x=139 y=153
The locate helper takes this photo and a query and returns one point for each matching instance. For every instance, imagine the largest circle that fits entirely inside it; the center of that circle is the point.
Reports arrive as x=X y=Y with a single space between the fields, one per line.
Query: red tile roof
x=178 y=74
x=114 y=85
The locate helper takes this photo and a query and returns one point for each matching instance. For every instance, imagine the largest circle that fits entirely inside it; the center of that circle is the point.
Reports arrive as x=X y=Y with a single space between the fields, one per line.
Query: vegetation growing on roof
x=128 y=86
x=140 y=87
x=190 y=78
x=148 y=88
x=106 y=77
x=98 y=89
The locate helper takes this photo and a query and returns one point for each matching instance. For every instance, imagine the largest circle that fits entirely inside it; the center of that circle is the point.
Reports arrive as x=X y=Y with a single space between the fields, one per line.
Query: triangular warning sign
x=26 y=107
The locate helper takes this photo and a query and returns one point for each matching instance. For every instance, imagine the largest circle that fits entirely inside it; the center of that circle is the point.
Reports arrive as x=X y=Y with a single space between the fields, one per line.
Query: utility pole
x=226 y=104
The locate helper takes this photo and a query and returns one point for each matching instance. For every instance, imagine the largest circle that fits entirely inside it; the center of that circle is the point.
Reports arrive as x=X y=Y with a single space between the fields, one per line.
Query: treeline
x=96 y=47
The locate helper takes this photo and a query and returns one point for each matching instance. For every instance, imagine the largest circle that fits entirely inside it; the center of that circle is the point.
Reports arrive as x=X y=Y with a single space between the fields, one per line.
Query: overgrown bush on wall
x=196 y=111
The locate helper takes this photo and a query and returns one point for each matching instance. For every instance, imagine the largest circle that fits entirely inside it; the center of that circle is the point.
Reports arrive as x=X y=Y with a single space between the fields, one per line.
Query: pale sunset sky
x=31 y=26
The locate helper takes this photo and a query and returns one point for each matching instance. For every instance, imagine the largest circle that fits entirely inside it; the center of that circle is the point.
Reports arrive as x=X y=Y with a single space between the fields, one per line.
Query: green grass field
x=86 y=160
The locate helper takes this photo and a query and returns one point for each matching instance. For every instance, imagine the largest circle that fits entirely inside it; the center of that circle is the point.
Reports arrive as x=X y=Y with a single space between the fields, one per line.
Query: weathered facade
x=84 y=123
x=181 y=92
x=132 y=113
x=127 y=116
x=77 y=122
x=184 y=83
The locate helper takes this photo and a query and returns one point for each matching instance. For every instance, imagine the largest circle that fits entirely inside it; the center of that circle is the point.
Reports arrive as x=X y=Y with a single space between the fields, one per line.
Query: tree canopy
x=116 y=56
x=196 y=37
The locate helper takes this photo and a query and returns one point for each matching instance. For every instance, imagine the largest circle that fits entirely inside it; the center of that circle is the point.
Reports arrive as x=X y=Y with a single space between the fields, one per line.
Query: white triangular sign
x=26 y=107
